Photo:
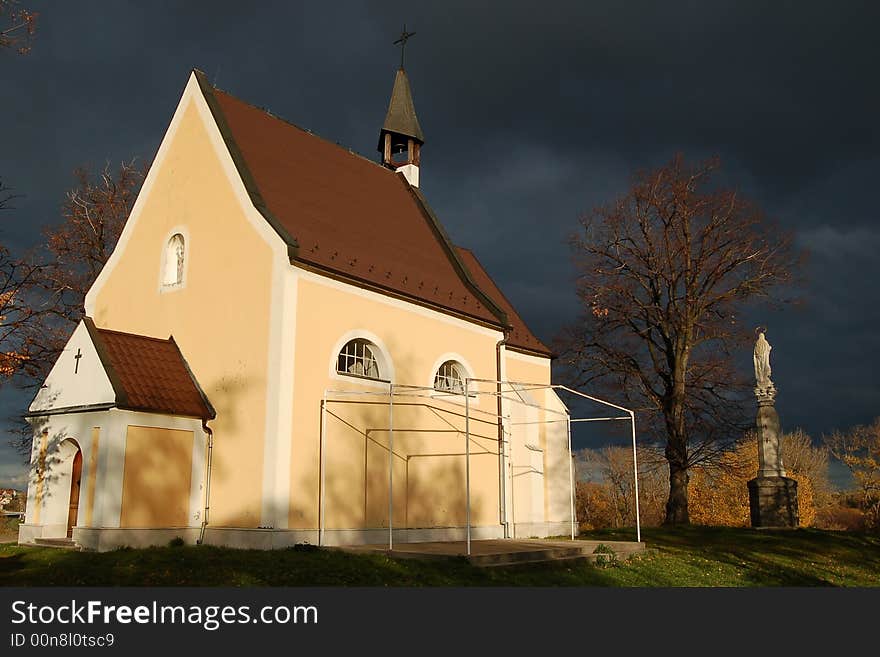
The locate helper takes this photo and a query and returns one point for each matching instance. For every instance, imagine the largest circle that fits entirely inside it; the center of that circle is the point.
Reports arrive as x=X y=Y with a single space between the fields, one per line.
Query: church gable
x=77 y=380
x=193 y=193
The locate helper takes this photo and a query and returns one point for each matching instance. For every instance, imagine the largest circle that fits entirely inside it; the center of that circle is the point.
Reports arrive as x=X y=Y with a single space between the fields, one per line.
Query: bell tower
x=401 y=138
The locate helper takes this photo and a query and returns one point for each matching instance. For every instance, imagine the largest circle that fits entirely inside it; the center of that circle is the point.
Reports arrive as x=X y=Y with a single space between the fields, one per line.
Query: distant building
x=12 y=501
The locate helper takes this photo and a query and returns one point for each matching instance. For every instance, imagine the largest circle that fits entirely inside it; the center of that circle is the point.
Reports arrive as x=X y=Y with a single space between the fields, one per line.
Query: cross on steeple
x=77 y=357
x=402 y=41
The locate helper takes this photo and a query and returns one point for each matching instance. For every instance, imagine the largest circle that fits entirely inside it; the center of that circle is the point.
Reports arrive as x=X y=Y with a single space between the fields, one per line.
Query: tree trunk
x=677 y=504
x=677 y=443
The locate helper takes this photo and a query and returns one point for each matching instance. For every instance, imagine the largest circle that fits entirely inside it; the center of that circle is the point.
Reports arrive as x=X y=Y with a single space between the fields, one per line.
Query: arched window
x=174 y=255
x=358 y=358
x=450 y=377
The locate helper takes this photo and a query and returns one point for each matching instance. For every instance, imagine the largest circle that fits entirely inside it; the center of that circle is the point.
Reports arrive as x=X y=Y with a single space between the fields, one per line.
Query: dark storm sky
x=533 y=114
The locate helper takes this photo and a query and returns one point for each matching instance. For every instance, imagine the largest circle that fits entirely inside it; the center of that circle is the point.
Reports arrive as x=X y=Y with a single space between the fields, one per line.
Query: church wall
x=428 y=456
x=550 y=435
x=557 y=464
x=50 y=470
x=222 y=313
x=103 y=437
x=158 y=477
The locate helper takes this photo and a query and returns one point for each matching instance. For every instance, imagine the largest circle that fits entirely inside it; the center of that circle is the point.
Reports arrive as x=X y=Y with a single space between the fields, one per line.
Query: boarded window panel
x=157 y=477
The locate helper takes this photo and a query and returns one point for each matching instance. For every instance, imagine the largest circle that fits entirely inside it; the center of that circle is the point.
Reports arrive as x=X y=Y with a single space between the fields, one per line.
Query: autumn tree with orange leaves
x=94 y=213
x=664 y=273
x=717 y=491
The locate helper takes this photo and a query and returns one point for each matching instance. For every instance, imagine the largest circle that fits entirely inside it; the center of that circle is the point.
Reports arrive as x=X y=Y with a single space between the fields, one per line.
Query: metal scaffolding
x=472 y=389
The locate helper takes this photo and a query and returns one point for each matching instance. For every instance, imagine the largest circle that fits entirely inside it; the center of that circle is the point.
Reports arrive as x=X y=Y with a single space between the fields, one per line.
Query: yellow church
x=285 y=347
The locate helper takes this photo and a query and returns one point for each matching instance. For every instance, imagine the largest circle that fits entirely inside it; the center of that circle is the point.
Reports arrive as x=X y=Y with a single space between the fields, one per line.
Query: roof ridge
x=344 y=149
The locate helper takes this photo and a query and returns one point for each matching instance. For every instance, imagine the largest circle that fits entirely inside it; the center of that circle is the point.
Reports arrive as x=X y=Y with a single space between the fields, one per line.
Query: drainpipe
x=210 y=446
x=502 y=449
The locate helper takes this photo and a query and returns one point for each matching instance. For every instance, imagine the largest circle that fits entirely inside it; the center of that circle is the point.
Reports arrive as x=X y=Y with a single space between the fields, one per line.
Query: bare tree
x=801 y=456
x=859 y=450
x=50 y=285
x=17 y=26
x=75 y=250
x=16 y=314
x=605 y=490
x=663 y=275
x=95 y=212
x=6 y=196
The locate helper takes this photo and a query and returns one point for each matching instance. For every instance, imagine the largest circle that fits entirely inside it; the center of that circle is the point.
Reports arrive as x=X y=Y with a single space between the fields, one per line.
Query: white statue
x=762 y=360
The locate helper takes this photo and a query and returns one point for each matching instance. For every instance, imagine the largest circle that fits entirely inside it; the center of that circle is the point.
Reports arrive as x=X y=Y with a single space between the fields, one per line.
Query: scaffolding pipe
x=390 y=466
x=467 y=461
x=467 y=413
x=571 y=480
x=321 y=466
x=636 y=477
x=502 y=463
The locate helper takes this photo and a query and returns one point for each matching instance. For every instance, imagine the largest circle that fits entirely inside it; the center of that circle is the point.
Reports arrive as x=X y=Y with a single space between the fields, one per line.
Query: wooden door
x=75 y=477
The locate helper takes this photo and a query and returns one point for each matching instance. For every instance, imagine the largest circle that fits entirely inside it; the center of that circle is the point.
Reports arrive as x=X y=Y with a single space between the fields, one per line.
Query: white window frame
x=453 y=378
x=359 y=352
x=466 y=371
x=380 y=353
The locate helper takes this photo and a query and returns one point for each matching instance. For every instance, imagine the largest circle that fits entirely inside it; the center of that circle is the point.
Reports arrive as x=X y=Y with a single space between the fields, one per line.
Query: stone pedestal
x=773 y=502
x=769 y=432
x=772 y=496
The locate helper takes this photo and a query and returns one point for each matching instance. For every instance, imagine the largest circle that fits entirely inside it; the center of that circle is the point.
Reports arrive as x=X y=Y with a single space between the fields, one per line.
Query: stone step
x=59 y=543
x=505 y=552
x=523 y=557
x=558 y=552
x=507 y=564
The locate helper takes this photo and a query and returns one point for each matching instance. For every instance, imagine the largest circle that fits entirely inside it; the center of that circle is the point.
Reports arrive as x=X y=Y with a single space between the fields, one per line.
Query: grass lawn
x=691 y=556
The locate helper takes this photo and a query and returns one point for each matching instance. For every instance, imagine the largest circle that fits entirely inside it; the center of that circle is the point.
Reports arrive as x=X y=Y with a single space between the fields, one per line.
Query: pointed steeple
x=401 y=118
x=401 y=135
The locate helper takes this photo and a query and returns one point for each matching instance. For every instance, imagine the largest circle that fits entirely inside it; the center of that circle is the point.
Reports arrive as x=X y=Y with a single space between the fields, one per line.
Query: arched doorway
x=75 y=477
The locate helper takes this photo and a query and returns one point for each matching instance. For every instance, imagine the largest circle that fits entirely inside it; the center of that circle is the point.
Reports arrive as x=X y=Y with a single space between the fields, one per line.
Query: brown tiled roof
x=149 y=374
x=345 y=215
x=349 y=217
x=520 y=336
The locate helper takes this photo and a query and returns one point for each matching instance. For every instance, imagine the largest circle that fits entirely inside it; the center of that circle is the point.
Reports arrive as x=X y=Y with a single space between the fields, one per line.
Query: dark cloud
x=533 y=114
